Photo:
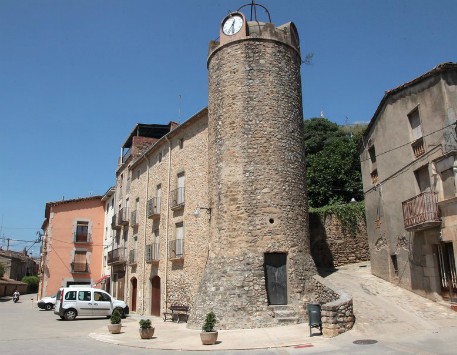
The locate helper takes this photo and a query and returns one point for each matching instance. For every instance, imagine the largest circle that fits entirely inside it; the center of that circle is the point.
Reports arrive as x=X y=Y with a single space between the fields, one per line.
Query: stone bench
x=177 y=313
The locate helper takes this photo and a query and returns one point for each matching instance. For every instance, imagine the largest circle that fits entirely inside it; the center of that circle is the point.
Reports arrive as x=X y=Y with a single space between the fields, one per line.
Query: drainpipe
x=167 y=224
x=144 y=235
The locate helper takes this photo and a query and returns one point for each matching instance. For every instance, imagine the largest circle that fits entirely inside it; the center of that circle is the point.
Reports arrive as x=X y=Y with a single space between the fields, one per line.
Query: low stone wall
x=336 y=307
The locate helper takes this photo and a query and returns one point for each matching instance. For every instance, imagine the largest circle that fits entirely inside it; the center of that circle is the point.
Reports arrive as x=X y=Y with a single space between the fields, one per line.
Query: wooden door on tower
x=276 y=278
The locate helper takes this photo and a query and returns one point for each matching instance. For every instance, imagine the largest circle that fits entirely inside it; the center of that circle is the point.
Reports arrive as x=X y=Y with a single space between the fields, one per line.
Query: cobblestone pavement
x=385 y=310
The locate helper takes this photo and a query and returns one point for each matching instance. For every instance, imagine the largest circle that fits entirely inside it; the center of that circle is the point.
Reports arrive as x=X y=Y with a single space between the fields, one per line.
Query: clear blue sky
x=77 y=75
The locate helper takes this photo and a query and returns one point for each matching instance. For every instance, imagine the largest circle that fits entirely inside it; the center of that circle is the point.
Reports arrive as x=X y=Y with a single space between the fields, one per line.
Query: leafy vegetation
x=32 y=283
x=210 y=322
x=145 y=323
x=333 y=165
x=348 y=214
x=115 y=317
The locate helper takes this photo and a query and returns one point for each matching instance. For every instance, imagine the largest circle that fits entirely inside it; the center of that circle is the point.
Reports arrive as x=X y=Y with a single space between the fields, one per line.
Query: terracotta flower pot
x=208 y=338
x=146 y=333
x=114 y=328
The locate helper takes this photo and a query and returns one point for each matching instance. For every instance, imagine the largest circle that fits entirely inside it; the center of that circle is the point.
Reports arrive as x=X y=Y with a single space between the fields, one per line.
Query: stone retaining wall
x=337 y=309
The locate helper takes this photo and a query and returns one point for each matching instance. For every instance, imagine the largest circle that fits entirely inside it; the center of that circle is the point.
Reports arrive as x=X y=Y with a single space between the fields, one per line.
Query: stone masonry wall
x=257 y=186
x=333 y=246
x=336 y=307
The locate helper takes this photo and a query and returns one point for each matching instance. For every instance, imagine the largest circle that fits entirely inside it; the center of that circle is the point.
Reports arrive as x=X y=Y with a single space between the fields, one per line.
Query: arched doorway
x=134 y=293
x=155 y=296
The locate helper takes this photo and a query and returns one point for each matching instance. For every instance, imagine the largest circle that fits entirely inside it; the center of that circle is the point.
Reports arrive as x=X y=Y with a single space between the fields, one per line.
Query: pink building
x=72 y=244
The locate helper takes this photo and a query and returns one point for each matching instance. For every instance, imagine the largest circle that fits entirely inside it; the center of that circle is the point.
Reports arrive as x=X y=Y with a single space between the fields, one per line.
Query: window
x=80 y=261
x=84 y=295
x=70 y=296
x=374 y=170
x=82 y=232
x=393 y=258
x=179 y=240
x=448 y=181
x=416 y=132
x=138 y=173
x=101 y=297
x=423 y=179
x=181 y=184
x=415 y=122
x=160 y=157
x=181 y=143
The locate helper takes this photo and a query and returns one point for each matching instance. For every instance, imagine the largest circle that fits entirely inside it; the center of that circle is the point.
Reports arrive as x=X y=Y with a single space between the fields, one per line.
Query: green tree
x=320 y=132
x=333 y=165
x=32 y=283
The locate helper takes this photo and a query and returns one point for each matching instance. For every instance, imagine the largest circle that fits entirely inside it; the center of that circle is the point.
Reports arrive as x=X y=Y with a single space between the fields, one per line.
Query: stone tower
x=259 y=256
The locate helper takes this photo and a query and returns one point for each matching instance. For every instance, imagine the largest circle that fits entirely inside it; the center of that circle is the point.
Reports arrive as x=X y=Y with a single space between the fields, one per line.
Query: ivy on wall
x=349 y=215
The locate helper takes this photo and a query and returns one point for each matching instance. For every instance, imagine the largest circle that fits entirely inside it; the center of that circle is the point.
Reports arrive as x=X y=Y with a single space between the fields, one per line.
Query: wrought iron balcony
x=152 y=252
x=176 y=249
x=123 y=216
x=177 y=198
x=132 y=256
x=421 y=212
x=133 y=219
x=153 y=207
x=79 y=267
x=116 y=256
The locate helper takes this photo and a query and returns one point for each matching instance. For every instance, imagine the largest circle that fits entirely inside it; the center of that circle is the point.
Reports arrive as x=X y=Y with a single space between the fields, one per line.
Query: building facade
x=212 y=213
x=409 y=171
x=72 y=244
x=18 y=264
x=109 y=201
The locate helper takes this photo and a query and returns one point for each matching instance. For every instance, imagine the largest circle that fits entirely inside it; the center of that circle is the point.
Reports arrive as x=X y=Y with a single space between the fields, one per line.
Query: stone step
x=287 y=320
x=285 y=314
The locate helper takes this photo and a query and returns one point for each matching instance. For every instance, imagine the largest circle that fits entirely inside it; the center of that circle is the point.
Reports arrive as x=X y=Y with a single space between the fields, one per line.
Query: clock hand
x=232 y=27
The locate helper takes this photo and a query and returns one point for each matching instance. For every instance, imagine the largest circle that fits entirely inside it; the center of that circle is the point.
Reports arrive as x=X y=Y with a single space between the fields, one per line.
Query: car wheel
x=120 y=311
x=48 y=306
x=70 y=314
x=62 y=317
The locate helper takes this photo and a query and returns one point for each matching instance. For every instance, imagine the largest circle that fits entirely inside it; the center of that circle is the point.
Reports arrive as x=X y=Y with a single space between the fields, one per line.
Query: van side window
x=70 y=296
x=84 y=295
x=100 y=296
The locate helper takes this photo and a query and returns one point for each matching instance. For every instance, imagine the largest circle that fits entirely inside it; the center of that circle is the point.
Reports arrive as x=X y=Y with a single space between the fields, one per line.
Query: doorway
x=155 y=296
x=446 y=263
x=276 y=278
x=134 y=293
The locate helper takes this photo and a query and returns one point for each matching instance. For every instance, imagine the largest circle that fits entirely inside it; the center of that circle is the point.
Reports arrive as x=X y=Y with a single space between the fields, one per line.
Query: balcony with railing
x=152 y=252
x=132 y=257
x=176 y=249
x=153 y=208
x=133 y=219
x=79 y=267
x=123 y=216
x=177 y=198
x=418 y=147
x=421 y=212
x=114 y=222
x=82 y=237
x=116 y=256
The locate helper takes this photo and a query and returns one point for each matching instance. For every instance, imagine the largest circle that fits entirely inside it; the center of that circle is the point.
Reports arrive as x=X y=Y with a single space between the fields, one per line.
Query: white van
x=87 y=301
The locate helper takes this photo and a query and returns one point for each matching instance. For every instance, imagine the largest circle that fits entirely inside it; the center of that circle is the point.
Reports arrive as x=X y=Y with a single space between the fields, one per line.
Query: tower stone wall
x=257 y=188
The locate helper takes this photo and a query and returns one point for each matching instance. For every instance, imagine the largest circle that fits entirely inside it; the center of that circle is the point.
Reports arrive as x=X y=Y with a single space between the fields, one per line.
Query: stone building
x=409 y=170
x=212 y=213
x=18 y=264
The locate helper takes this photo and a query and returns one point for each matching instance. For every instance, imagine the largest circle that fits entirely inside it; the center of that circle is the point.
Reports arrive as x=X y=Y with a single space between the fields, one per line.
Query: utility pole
x=8 y=243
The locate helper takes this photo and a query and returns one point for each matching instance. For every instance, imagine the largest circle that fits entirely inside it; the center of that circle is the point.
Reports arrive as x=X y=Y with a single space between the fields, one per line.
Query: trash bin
x=314 y=317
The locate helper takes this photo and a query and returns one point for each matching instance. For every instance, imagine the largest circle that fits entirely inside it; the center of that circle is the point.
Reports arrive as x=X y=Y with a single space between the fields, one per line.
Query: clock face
x=232 y=24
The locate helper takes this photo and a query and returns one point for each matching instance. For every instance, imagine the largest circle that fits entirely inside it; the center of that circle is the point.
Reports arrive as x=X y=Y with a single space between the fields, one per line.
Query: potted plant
x=146 y=330
x=208 y=334
x=115 y=323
